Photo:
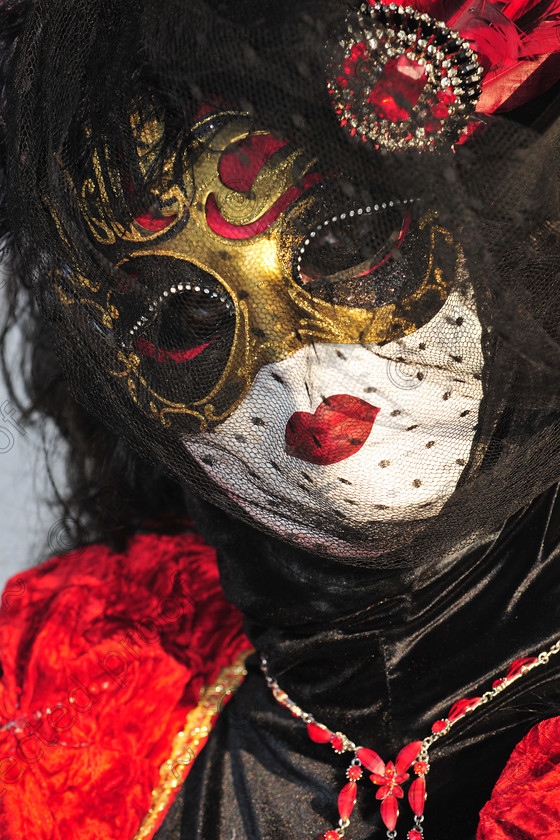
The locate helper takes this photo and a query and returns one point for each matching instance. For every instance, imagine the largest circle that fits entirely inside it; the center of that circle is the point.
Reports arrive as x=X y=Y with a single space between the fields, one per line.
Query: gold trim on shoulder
x=189 y=741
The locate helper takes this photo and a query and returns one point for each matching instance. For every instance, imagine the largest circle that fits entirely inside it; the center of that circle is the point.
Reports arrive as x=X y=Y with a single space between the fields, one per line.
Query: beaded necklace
x=391 y=776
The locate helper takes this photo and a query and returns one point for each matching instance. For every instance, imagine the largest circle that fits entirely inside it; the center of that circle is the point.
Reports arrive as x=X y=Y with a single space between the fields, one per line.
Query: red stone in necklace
x=389 y=778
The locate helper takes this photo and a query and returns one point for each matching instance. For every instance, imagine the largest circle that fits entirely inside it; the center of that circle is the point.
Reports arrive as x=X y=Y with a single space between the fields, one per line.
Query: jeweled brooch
x=400 y=79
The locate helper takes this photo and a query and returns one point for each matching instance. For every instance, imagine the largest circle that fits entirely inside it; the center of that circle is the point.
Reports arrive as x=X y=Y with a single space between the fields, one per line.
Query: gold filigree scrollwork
x=160 y=408
x=96 y=206
x=271 y=183
x=108 y=312
x=104 y=188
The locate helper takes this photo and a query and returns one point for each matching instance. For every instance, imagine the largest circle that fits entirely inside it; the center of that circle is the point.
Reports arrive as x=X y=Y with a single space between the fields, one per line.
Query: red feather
x=517 y=43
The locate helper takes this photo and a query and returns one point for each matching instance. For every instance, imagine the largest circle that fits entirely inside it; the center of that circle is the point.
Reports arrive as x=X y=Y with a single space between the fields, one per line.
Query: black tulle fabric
x=379 y=656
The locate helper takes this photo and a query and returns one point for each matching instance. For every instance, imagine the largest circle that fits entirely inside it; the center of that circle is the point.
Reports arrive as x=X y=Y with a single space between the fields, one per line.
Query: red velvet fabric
x=525 y=804
x=103 y=655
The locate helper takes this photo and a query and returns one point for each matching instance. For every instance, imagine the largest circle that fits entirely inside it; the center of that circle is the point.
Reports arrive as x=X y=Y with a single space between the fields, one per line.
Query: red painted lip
x=338 y=429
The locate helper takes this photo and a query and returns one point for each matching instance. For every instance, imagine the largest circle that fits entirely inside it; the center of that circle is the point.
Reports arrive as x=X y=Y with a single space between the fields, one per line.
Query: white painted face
x=362 y=433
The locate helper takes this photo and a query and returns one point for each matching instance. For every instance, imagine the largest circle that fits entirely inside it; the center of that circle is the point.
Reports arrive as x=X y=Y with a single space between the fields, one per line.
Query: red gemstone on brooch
x=354 y=772
x=401 y=79
x=439 y=726
x=414 y=834
x=398 y=90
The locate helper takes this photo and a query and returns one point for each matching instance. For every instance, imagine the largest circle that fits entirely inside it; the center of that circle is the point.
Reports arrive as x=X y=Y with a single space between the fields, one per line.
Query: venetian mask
x=315 y=344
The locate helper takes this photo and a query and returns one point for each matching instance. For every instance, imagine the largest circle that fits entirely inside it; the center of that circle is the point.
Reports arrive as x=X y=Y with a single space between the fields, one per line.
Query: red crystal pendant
x=398 y=90
x=390 y=811
x=459 y=708
x=439 y=726
x=417 y=796
x=319 y=734
x=414 y=834
x=347 y=800
x=515 y=667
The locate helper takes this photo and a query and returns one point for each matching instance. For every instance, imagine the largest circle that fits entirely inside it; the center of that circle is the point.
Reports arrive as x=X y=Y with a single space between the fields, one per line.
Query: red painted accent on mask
x=154 y=223
x=219 y=225
x=148 y=220
x=146 y=348
x=338 y=429
x=239 y=167
x=213 y=104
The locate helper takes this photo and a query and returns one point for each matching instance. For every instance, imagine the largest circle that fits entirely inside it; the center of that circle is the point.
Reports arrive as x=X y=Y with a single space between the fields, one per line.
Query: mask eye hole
x=351 y=245
x=186 y=328
x=194 y=315
x=365 y=257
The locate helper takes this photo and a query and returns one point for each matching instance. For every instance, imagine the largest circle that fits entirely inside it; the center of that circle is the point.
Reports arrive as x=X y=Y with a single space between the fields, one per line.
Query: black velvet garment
x=379 y=655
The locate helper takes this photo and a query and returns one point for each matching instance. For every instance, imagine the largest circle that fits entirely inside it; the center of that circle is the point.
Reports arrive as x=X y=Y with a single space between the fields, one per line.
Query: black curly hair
x=111 y=492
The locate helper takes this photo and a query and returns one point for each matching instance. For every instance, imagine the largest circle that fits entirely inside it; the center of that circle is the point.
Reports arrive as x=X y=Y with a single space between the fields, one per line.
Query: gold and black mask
x=246 y=251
